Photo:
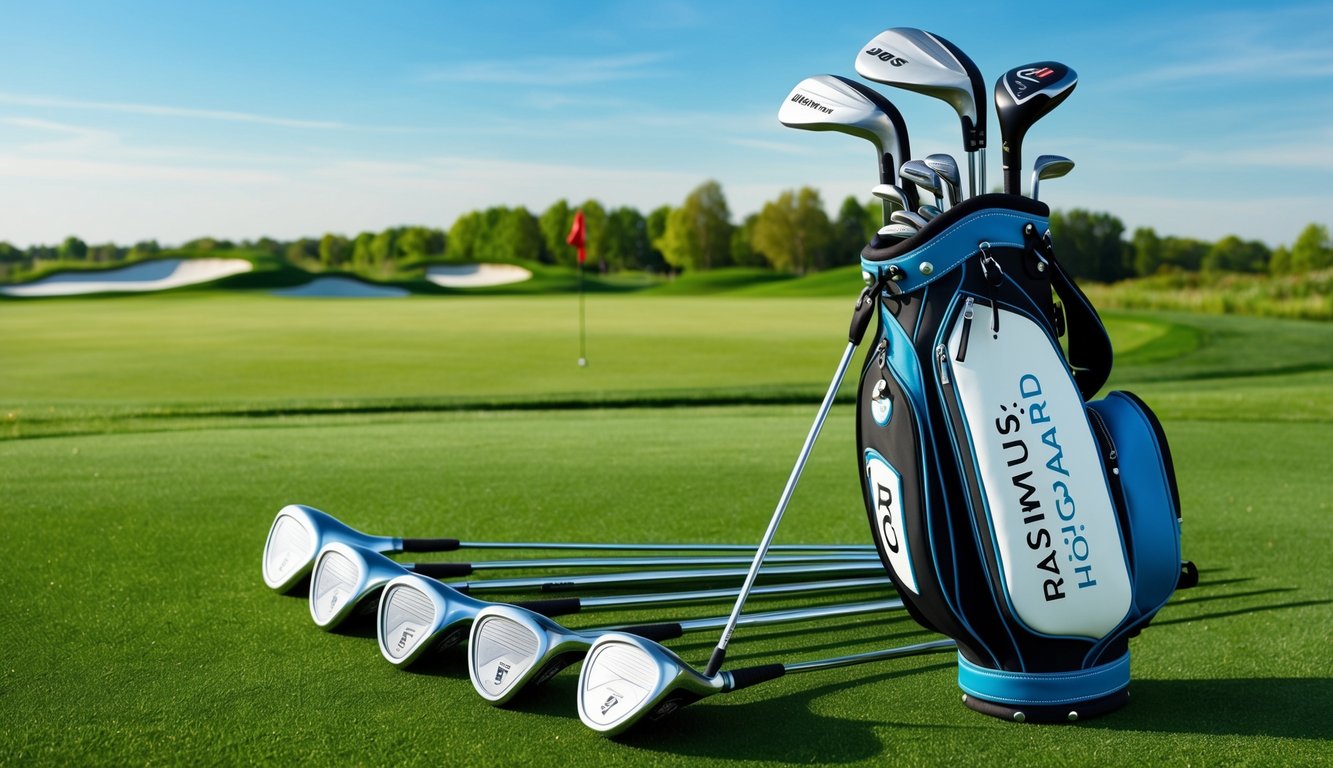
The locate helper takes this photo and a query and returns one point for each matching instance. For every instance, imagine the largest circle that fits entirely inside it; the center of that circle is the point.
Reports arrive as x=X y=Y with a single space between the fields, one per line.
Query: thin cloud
x=73 y=138
x=552 y=70
x=189 y=113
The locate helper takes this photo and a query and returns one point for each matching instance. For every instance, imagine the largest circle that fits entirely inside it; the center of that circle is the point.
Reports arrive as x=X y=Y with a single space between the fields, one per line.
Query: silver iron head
x=345 y=580
x=928 y=212
x=947 y=168
x=833 y=103
x=1049 y=167
x=909 y=218
x=512 y=648
x=920 y=174
x=926 y=63
x=891 y=193
x=419 y=617
x=295 y=538
x=626 y=680
x=897 y=231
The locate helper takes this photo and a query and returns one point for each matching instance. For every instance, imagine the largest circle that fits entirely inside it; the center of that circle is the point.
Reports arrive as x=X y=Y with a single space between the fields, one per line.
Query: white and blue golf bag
x=1035 y=526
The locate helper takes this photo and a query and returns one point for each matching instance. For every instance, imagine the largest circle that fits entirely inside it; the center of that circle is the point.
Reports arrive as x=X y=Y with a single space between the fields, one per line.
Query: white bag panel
x=886 y=491
x=1058 y=542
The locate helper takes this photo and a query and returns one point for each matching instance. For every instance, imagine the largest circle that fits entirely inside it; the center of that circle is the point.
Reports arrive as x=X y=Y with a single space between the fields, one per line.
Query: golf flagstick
x=578 y=237
x=861 y=316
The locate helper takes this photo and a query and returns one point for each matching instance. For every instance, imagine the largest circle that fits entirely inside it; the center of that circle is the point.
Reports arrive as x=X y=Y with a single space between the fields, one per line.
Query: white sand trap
x=157 y=275
x=476 y=275
x=343 y=288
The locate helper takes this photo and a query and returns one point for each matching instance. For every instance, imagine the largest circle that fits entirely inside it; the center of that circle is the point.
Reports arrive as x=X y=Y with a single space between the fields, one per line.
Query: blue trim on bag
x=957 y=244
x=1043 y=688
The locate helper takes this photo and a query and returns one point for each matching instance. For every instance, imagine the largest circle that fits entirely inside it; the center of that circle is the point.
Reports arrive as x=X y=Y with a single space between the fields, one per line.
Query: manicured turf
x=137 y=629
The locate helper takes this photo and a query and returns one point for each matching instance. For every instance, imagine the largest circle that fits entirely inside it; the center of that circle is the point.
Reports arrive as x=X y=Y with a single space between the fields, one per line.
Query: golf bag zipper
x=942 y=357
x=968 y=312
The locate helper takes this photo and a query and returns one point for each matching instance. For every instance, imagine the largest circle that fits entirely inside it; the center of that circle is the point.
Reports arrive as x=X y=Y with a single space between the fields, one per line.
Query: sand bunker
x=343 y=288
x=476 y=275
x=156 y=275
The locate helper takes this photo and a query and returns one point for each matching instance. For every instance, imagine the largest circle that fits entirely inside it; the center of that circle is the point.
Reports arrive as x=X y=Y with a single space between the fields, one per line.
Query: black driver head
x=1024 y=95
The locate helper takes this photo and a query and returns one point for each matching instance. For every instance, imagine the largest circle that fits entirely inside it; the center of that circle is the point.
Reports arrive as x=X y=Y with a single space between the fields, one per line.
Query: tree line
x=793 y=234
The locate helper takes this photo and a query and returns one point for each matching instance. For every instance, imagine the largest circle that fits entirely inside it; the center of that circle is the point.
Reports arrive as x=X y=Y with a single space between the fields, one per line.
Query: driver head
x=511 y=648
x=345 y=580
x=627 y=679
x=833 y=103
x=419 y=616
x=920 y=61
x=295 y=538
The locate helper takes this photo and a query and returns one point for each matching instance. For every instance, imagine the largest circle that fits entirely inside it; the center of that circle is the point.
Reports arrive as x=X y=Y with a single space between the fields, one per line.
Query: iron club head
x=920 y=174
x=1049 y=167
x=296 y=537
x=627 y=679
x=947 y=168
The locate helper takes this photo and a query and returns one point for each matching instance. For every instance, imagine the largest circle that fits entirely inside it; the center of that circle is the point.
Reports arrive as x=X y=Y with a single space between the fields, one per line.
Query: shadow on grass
x=1295 y=708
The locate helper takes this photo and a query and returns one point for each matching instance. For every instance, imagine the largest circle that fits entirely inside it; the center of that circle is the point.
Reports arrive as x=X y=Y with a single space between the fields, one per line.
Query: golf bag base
x=1037 y=527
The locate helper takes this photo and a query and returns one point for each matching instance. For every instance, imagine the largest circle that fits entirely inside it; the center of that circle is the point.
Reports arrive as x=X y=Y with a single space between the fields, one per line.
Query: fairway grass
x=153 y=439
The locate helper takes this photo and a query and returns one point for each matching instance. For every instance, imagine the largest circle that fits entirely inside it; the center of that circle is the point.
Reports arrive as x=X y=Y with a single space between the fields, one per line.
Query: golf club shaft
x=446 y=570
x=767 y=617
x=743 y=678
x=450 y=545
x=559 y=584
x=704 y=595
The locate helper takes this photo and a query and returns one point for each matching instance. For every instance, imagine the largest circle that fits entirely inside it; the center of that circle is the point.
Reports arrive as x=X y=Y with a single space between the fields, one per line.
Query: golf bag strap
x=1090 y=352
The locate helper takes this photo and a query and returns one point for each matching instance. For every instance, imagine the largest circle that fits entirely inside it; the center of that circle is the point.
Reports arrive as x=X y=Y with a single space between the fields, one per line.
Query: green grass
x=160 y=434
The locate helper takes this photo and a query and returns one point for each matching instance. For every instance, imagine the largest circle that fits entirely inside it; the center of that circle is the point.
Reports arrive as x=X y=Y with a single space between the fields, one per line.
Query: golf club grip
x=556 y=606
x=743 y=678
x=430 y=545
x=442 y=570
x=668 y=631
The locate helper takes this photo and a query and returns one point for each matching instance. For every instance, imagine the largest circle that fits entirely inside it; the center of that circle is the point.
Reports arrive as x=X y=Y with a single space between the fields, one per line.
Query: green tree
x=334 y=250
x=655 y=225
x=1147 y=248
x=420 y=243
x=853 y=228
x=361 y=256
x=1231 y=254
x=384 y=251
x=463 y=238
x=1312 y=249
x=144 y=249
x=595 y=234
x=743 y=252
x=628 y=241
x=698 y=234
x=1280 y=263
x=1089 y=244
x=519 y=236
x=1184 y=253
x=73 y=249
x=794 y=232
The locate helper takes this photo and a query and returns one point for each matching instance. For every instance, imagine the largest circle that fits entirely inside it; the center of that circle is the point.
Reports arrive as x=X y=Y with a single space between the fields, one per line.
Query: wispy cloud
x=189 y=113
x=552 y=70
x=70 y=138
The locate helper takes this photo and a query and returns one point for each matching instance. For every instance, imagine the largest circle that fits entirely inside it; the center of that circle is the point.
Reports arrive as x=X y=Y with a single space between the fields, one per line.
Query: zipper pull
x=968 y=311
x=942 y=355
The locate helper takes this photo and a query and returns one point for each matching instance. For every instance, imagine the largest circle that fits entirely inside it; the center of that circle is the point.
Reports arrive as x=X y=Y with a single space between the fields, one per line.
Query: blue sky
x=134 y=120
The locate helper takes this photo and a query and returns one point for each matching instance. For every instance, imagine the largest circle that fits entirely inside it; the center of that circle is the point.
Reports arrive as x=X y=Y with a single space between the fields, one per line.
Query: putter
x=947 y=168
x=299 y=532
x=628 y=679
x=920 y=61
x=1024 y=95
x=419 y=617
x=1049 y=167
x=511 y=649
x=833 y=103
x=346 y=577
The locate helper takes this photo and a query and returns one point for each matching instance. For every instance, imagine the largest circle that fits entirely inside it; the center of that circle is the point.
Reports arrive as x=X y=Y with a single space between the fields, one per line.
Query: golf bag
x=1037 y=529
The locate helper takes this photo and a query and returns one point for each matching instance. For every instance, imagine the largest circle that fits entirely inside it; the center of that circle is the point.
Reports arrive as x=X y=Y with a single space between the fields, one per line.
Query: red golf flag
x=577 y=236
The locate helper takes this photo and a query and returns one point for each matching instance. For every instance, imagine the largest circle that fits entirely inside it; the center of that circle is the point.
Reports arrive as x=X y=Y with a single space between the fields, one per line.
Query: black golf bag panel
x=1036 y=529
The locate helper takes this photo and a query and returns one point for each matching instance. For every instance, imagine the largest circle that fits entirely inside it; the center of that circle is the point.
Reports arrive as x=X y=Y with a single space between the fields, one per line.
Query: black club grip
x=655 y=631
x=743 y=678
x=556 y=606
x=430 y=545
x=442 y=570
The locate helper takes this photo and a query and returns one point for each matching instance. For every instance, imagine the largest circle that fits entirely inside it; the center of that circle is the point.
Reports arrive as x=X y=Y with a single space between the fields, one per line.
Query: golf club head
x=512 y=648
x=833 y=103
x=419 y=616
x=345 y=580
x=928 y=212
x=296 y=537
x=891 y=193
x=626 y=680
x=1049 y=167
x=920 y=174
x=897 y=231
x=909 y=218
x=947 y=168
x=926 y=63
x=1024 y=95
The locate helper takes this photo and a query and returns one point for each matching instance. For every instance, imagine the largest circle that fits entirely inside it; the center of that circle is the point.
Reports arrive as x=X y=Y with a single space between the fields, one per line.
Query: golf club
x=892 y=193
x=947 y=168
x=628 y=679
x=512 y=647
x=862 y=314
x=346 y=577
x=833 y=103
x=920 y=61
x=909 y=218
x=921 y=175
x=928 y=212
x=897 y=231
x=1049 y=167
x=1024 y=95
x=419 y=617
x=299 y=532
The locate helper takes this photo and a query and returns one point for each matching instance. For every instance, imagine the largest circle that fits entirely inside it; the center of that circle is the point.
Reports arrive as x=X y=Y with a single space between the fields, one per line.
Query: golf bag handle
x=1090 y=353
